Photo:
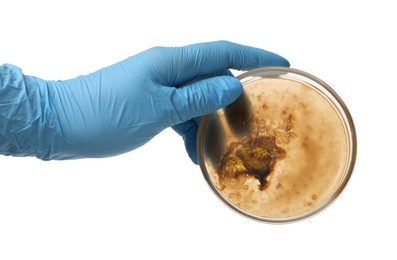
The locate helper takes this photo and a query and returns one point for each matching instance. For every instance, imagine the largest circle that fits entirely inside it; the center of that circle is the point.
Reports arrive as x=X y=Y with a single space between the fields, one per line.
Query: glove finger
x=202 y=97
x=188 y=131
x=182 y=64
x=224 y=72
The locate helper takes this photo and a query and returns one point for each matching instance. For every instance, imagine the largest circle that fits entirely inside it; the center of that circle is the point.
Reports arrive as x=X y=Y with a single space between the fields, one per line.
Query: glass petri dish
x=283 y=151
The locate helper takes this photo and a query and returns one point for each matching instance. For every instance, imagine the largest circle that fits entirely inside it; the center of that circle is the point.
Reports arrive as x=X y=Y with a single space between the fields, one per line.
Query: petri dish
x=283 y=151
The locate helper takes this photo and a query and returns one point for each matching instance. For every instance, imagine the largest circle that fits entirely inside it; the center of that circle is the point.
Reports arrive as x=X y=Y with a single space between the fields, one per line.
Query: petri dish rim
x=327 y=92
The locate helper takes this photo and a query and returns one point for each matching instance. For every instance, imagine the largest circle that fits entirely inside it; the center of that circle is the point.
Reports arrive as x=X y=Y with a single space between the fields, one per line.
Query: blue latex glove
x=121 y=107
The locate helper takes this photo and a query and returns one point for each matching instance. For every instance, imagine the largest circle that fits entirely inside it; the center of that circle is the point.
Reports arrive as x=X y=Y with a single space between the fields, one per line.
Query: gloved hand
x=119 y=108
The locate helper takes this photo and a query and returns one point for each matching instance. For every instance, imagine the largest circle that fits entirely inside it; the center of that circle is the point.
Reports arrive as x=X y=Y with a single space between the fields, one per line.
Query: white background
x=153 y=203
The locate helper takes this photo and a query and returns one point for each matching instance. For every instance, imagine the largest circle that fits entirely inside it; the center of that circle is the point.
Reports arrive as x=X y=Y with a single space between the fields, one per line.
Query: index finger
x=178 y=65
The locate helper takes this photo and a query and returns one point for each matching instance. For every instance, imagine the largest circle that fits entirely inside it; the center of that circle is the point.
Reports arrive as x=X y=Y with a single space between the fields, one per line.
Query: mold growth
x=252 y=156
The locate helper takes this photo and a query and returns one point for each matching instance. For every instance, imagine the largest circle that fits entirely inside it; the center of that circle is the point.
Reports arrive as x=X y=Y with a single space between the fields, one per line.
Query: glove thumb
x=204 y=96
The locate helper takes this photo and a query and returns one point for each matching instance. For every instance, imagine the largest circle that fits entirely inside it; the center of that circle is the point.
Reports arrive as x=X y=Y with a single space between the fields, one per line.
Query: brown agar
x=297 y=157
